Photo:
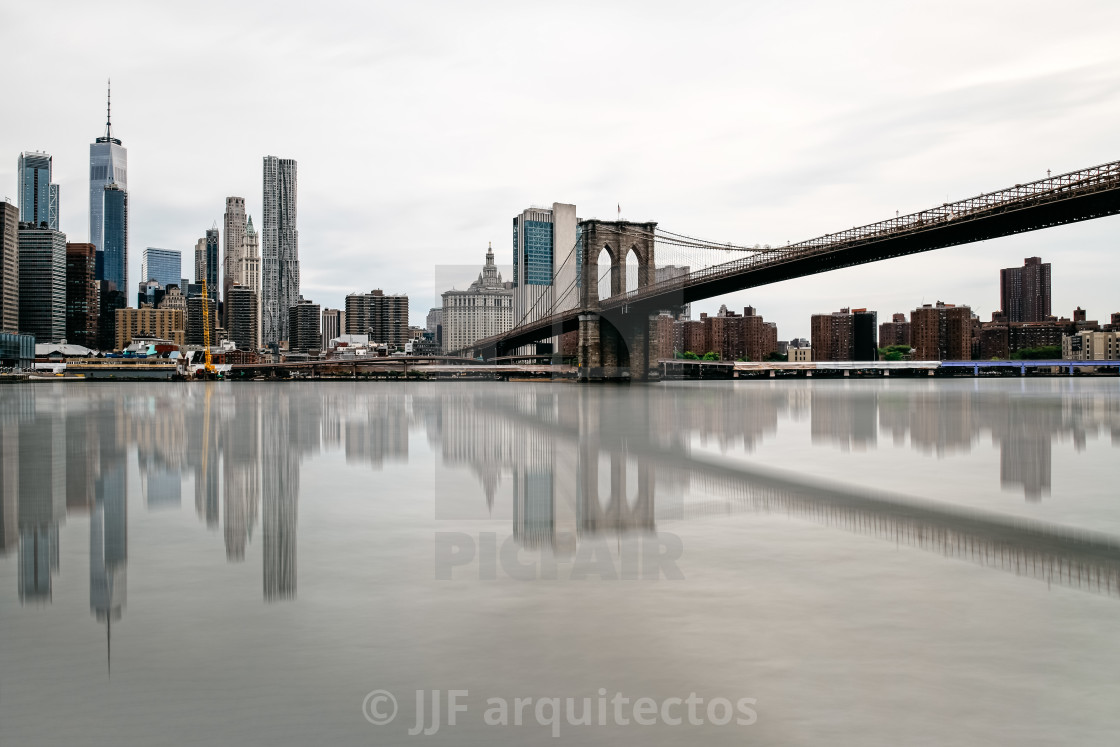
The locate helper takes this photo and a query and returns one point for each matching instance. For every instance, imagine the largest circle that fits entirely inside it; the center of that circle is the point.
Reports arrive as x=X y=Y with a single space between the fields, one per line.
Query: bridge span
x=614 y=331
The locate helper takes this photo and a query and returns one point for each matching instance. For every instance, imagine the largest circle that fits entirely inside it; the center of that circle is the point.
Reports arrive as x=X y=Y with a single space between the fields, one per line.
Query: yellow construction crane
x=210 y=369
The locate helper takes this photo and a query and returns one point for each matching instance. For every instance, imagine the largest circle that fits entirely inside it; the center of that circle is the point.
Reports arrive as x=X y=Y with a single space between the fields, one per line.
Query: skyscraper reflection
x=241 y=474
x=108 y=525
x=376 y=428
x=10 y=416
x=161 y=452
x=207 y=468
x=42 y=496
x=280 y=496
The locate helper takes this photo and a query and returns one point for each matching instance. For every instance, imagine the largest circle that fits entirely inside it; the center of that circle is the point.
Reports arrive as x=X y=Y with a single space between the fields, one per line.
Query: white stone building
x=484 y=309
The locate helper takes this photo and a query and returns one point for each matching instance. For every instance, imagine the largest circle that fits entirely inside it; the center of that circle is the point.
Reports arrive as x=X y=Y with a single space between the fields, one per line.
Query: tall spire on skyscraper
x=108 y=136
x=109 y=109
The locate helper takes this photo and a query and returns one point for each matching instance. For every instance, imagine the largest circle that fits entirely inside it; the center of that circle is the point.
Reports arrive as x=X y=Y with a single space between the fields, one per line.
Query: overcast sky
x=421 y=128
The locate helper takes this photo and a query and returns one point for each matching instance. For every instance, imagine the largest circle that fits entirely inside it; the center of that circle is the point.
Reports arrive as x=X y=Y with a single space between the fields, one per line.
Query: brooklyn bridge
x=612 y=327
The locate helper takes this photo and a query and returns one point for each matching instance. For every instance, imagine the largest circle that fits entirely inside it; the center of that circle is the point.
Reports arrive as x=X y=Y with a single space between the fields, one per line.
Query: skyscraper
x=243 y=325
x=83 y=304
x=544 y=263
x=1025 y=291
x=9 y=268
x=332 y=325
x=112 y=300
x=212 y=243
x=112 y=260
x=38 y=198
x=303 y=324
x=108 y=205
x=247 y=268
x=206 y=263
x=42 y=282
x=235 y=227
x=196 y=320
x=280 y=249
x=165 y=266
x=865 y=333
x=199 y=263
x=383 y=317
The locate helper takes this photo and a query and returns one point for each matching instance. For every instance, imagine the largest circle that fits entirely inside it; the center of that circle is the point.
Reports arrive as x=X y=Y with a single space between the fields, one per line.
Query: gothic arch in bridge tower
x=610 y=275
x=619 y=239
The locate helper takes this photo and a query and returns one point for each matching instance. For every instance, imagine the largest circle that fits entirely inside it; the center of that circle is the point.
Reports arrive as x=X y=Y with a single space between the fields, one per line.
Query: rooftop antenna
x=109 y=108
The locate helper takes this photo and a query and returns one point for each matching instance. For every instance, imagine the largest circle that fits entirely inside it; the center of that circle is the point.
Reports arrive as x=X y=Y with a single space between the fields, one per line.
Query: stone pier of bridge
x=614 y=343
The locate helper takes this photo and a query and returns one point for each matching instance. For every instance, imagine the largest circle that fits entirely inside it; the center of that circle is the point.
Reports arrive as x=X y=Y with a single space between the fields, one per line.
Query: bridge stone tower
x=614 y=339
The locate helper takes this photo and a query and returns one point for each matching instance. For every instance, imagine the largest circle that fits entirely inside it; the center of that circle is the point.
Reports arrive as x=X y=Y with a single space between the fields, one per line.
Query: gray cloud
x=421 y=128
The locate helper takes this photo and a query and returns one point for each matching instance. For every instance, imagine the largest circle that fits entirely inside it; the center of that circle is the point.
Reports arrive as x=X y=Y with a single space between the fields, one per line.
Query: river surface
x=788 y=563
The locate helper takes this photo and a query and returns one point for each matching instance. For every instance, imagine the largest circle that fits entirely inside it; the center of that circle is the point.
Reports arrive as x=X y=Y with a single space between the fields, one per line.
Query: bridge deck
x=1065 y=198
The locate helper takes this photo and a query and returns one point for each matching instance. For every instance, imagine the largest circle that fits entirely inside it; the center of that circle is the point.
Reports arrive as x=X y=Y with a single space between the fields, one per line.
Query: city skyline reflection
x=561 y=464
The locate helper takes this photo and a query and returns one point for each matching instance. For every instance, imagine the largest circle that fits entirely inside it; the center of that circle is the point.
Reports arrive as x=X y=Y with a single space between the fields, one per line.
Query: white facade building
x=246 y=267
x=1088 y=345
x=484 y=309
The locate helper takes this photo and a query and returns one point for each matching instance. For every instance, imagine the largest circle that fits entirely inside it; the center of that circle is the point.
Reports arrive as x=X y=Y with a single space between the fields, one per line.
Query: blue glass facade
x=113 y=259
x=538 y=252
x=162 y=265
x=34 y=175
x=108 y=165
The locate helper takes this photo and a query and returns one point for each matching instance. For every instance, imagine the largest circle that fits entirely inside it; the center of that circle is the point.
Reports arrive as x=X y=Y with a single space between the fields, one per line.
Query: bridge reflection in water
x=556 y=447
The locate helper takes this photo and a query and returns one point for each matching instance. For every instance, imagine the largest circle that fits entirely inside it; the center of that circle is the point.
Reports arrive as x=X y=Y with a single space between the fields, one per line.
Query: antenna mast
x=109 y=109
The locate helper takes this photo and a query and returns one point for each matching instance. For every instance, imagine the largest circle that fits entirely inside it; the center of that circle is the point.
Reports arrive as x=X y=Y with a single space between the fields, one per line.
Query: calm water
x=830 y=562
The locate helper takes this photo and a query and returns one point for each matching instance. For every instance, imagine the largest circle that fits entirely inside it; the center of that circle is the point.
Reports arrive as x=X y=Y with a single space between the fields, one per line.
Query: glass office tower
x=42 y=282
x=108 y=182
x=545 y=265
x=162 y=265
x=112 y=260
x=38 y=198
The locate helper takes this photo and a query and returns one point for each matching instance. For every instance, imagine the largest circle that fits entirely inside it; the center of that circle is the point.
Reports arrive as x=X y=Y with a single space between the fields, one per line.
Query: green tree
x=711 y=355
x=775 y=357
x=688 y=355
x=1042 y=353
x=894 y=352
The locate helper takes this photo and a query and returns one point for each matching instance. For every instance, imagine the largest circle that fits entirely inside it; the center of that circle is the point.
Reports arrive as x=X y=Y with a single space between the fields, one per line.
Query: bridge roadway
x=1066 y=198
x=430 y=366
x=1084 y=560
